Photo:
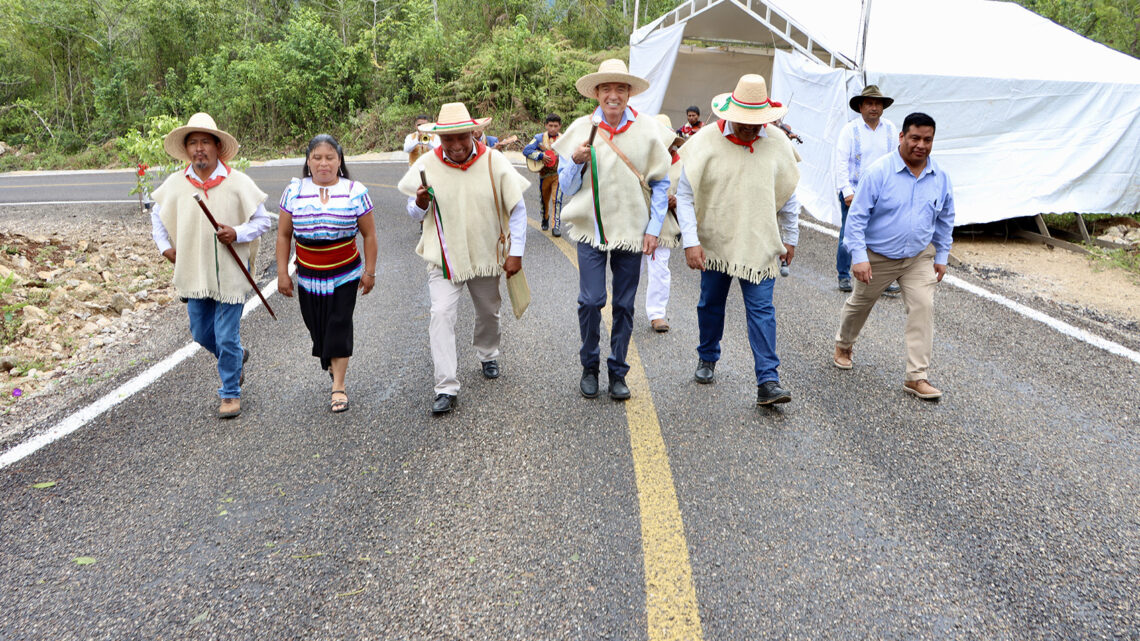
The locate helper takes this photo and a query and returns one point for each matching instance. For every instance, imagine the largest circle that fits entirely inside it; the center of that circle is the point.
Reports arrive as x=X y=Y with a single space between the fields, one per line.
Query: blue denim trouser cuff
x=759 y=313
x=217 y=327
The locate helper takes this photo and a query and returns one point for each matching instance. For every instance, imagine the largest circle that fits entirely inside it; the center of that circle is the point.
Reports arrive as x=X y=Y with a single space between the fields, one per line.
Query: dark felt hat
x=870 y=91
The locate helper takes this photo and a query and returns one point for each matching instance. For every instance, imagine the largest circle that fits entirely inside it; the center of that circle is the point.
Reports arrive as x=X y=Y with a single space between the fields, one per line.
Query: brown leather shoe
x=659 y=325
x=842 y=358
x=923 y=389
x=230 y=408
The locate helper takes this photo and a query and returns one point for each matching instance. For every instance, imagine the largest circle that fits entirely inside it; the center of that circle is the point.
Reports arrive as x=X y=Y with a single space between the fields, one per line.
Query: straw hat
x=454 y=119
x=748 y=104
x=175 y=142
x=870 y=91
x=612 y=70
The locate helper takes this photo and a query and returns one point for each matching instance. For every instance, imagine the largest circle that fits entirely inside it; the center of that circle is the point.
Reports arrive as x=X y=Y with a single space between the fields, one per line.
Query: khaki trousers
x=917 y=279
x=445 y=294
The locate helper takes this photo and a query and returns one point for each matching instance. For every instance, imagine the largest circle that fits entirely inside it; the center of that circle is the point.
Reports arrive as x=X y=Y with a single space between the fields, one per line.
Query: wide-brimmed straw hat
x=870 y=91
x=454 y=119
x=748 y=104
x=175 y=142
x=663 y=119
x=612 y=70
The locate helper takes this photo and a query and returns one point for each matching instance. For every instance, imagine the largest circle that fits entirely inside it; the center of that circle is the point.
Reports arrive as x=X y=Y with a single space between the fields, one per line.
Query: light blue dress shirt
x=897 y=215
x=570 y=181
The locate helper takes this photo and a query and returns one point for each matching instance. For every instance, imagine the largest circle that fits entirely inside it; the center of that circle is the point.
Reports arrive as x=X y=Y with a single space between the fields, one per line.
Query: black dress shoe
x=491 y=369
x=619 y=391
x=589 y=383
x=444 y=403
x=545 y=223
x=704 y=372
x=770 y=393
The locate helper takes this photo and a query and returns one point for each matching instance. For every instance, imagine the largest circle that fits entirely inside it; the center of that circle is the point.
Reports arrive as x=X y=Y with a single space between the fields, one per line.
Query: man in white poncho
x=737 y=211
x=618 y=196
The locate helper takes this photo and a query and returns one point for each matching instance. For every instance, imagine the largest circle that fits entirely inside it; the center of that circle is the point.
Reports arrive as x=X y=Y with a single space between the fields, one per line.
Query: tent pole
x=636 y=11
x=864 y=24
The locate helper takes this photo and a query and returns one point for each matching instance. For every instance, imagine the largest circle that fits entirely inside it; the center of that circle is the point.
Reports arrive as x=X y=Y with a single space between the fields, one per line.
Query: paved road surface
x=92 y=186
x=1009 y=510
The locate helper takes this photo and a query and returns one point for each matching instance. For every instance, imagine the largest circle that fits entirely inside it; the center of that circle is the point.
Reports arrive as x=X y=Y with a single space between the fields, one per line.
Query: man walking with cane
x=213 y=284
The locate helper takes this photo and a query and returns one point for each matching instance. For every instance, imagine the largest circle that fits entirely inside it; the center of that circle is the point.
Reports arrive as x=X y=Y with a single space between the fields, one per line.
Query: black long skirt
x=329 y=316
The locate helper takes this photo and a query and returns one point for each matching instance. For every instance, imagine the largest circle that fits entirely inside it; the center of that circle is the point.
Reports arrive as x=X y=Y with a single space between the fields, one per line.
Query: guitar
x=538 y=165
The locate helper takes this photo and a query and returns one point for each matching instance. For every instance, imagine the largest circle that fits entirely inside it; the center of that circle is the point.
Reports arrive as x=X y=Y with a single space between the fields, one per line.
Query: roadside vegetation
x=81 y=81
x=79 y=78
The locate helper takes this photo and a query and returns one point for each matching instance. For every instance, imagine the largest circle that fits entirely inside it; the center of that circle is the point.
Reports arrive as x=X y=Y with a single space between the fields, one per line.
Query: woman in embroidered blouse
x=323 y=211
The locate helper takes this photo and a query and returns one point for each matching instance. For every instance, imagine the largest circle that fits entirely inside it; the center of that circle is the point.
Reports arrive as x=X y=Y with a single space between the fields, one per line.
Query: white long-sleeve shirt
x=857 y=147
x=257 y=225
x=788 y=216
x=517 y=223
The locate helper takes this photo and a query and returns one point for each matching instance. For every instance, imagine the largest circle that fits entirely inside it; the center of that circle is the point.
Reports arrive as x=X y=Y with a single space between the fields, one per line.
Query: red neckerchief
x=676 y=158
x=205 y=186
x=736 y=141
x=604 y=126
x=480 y=149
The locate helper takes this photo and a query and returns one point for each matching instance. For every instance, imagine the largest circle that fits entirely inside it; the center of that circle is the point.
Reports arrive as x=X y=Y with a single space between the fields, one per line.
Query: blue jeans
x=217 y=327
x=842 y=256
x=759 y=312
x=626 y=269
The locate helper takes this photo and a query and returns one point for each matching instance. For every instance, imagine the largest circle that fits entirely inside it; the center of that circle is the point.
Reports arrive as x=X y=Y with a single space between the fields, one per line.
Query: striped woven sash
x=327 y=256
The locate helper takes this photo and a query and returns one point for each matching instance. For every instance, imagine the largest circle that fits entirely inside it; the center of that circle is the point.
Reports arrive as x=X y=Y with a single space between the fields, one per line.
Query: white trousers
x=656 y=283
x=444 y=305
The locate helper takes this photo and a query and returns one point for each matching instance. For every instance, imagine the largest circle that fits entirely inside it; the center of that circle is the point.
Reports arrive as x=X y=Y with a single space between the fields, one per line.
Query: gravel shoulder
x=104 y=309
x=88 y=304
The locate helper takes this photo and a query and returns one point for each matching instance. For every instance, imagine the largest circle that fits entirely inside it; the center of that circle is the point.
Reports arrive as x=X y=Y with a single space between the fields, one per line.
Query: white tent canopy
x=1032 y=118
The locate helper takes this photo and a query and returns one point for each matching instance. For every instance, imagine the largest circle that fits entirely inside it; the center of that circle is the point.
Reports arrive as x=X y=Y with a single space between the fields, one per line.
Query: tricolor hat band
x=747 y=105
x=451 y=125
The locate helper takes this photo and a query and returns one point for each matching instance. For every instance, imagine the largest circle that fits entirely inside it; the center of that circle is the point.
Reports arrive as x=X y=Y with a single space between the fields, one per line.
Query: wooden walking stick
x=233 y=252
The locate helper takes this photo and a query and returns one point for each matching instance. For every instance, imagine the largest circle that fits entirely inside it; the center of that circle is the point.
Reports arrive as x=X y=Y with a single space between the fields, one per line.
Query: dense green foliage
x=1115 y=23
x=78 y=75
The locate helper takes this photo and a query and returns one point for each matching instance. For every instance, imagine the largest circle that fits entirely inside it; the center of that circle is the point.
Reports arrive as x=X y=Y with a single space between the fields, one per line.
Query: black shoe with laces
x=444 y=403
x=589 y=383
x=705 y=371
x=770 y=393
x=619 y=391
x=491 y=369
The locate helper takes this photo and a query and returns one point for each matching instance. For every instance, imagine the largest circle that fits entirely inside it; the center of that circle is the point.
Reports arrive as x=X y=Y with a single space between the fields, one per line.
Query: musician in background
x=481 y=136
x=692 y=123
x=418 y=143
x=542 y=159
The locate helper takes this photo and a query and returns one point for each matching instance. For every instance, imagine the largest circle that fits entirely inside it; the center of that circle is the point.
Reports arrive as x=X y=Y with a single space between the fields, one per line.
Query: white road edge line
x=1041 y=317
x=121 y=393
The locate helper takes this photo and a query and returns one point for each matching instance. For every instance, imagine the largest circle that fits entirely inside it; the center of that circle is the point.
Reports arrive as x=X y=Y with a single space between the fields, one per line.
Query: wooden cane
x=593 y=132
x=233 y=252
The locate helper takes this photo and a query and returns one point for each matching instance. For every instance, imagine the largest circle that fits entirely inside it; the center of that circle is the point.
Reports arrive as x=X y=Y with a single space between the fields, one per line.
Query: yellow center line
x=670 y=598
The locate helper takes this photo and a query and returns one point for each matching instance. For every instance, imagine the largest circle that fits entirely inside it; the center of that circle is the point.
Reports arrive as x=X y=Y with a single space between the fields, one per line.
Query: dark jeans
x=626 y=269
x=758 y=311
x=842 y=256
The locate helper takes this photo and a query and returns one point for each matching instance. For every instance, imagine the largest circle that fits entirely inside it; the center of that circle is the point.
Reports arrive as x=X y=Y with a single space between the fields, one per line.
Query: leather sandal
x=337 y=405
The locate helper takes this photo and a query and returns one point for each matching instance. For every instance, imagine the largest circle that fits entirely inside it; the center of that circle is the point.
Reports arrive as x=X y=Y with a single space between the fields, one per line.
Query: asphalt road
x=1009 y=510
x=111 y=186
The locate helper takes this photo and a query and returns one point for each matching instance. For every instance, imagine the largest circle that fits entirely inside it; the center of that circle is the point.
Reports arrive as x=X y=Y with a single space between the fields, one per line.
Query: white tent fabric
x=653 y=59
x=1032 y=118
x=813 y=91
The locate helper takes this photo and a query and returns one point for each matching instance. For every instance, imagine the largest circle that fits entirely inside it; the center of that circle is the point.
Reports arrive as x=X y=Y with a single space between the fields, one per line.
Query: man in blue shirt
x=900 y=228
